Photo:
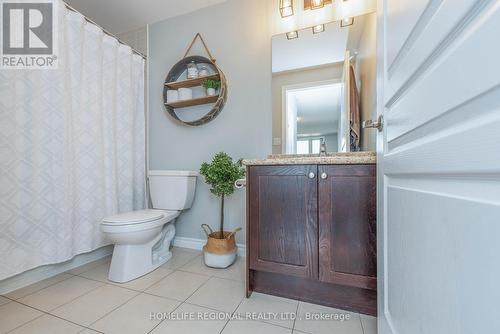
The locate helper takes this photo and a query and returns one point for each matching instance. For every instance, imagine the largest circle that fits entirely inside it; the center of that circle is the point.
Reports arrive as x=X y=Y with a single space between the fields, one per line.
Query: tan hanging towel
x=355 y=112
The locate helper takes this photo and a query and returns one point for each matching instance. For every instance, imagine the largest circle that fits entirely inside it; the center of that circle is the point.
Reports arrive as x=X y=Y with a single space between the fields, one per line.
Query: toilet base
x=133 y=261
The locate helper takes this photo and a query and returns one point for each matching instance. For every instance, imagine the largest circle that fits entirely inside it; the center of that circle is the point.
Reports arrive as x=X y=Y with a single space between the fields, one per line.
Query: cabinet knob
x=312 y=175
x=324 y=176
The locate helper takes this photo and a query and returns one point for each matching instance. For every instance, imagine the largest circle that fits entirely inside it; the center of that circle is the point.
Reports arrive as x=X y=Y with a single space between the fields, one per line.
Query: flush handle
x=240 y=183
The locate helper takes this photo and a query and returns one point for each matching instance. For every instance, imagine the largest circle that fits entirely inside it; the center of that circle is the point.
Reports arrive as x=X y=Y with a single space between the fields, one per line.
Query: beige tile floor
x=182 y=296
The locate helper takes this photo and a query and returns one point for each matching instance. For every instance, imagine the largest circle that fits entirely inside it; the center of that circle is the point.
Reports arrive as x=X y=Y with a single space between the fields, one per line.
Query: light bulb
x=318 y=28
x=292 y=34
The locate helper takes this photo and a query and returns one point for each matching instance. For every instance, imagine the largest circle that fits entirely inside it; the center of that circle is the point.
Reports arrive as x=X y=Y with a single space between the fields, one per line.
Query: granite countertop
x=314 y=159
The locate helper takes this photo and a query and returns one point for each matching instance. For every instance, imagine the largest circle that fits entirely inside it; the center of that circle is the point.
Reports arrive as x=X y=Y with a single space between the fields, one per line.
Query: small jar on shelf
x=192 y=71
x=203 y=71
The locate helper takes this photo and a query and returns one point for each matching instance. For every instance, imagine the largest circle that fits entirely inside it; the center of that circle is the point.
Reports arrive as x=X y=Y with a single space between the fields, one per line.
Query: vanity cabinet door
x=282 y=218
x=347 y=225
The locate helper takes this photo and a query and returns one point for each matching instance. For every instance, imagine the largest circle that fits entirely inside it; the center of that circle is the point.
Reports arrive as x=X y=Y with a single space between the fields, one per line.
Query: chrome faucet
x=322 y=150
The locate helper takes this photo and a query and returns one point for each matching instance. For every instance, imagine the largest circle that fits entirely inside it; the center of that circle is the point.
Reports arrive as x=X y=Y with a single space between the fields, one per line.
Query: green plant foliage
x=210 y=83
x=222 y=173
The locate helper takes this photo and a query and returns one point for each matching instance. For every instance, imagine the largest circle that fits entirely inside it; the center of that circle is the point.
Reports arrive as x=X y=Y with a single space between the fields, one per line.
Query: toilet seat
x=137 y=220
x=134 y=217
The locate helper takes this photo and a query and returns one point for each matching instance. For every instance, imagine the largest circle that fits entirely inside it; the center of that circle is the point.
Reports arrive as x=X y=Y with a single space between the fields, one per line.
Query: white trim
x=146 y=100
x=284 y=107
x=173 y=173
x=198 y=244
x=38 y=274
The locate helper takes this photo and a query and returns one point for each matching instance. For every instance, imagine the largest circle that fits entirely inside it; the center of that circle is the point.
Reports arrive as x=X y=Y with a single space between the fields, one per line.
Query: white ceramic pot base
x=219 y=260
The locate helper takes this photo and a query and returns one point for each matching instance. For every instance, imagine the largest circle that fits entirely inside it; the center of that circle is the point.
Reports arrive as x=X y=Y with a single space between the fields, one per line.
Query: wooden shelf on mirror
x=193 y=102
x=191 y=82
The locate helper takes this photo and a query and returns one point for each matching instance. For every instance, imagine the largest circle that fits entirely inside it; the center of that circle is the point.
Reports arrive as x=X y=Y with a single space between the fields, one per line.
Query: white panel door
x=439 y=166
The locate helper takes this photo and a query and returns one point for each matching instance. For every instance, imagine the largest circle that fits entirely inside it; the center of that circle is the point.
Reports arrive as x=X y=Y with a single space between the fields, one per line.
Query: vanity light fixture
x=316 y=4
x=348 y=21
x=286 y=8
x=292 y=34
x=318 y=28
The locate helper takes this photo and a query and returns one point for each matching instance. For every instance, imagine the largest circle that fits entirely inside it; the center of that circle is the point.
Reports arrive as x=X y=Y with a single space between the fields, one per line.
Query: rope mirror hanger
x=179 y=68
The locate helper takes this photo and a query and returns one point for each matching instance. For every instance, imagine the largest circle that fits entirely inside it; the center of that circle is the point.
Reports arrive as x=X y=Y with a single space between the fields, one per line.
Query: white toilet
x=142 y=238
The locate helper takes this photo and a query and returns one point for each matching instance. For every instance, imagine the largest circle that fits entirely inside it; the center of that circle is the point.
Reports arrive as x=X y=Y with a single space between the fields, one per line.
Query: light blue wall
x=237 y=34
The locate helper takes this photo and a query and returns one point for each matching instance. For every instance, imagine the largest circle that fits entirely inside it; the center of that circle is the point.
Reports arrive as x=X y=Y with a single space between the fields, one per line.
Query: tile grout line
x=86 y=293
x=296 y=315
x=43 y=311
x=236 y=309
x=181 y=302
x=124 y=287
x=152 y=329
x=51 y=314
x=273 y=324
x=189 y=303
x=41 y=315
x=114 y=309
x=138 y=293
x=204 y=283
x=48 y=312
x=199 y=273
x=362 y=326
x=29 y=294
x=259 y=321
x=146 y=293
x=79 y=275
x=360 y=323
x=117 y=284
x=125 y=302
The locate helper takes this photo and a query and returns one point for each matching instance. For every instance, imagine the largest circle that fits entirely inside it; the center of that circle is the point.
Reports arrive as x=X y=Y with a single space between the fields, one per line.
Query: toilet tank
x=172 y=189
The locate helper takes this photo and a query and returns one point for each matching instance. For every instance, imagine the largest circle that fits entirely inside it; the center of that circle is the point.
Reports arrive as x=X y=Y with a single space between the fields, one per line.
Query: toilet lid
x=134 y=217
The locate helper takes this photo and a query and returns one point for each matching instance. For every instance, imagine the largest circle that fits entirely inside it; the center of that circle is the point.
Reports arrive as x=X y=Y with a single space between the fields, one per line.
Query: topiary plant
x=221 y=175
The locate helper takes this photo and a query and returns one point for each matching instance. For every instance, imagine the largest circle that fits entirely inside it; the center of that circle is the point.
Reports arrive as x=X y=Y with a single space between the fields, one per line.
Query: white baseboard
x=38 y=274
x=198 y=244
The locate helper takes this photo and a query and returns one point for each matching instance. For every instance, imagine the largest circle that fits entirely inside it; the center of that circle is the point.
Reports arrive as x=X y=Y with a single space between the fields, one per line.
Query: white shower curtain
x=72 y=147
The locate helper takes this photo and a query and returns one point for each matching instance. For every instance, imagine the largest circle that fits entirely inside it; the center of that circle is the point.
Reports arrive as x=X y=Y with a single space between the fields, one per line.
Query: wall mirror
x=324 y=87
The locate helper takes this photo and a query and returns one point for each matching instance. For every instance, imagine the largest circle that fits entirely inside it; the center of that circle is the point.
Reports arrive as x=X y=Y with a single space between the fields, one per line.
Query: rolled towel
x=172 y=95
x=185 y=93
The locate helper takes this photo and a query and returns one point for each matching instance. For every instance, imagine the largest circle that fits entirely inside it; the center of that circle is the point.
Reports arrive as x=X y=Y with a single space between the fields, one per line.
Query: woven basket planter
x=219 y=253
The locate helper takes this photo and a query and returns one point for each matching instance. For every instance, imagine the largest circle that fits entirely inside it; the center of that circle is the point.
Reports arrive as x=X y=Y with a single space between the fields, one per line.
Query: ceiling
x=119 y=16
x=318 y=108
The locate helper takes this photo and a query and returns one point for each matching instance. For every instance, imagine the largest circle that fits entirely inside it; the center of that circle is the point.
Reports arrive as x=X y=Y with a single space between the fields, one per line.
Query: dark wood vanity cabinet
x=311 y=234
x=284 y=220
x=348 y=225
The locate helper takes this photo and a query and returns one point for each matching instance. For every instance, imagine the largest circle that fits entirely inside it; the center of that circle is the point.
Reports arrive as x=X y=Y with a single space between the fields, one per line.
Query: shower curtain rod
x=105 y=31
